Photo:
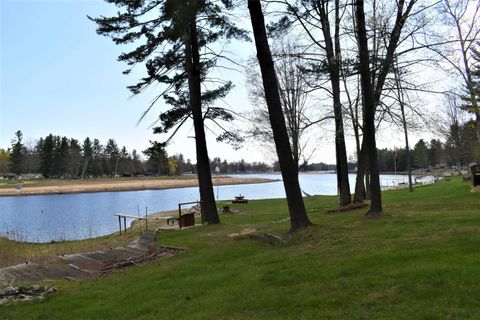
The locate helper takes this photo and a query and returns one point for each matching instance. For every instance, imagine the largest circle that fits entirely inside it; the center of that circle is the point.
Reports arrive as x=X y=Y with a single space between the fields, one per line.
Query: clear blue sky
x=58 y=76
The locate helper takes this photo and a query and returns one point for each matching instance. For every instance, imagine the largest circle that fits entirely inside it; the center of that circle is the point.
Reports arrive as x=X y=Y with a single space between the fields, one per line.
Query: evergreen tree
x=87 y=156
x=17 y=154
x=157 y=163
x=420 y=154
x=97 y=154
x=75 y=158
x=435 y=152
x=61 y=156
x=471 y=105
x=123 y=161
x=242 y=167
x=181 y=165
x=468 y=142
x=47 y=156
x=175 y=34
x=113 y=156
x=136 y=163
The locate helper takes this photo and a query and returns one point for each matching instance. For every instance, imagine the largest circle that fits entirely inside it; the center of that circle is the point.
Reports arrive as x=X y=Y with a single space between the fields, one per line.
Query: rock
x=10 y=291
x=51 y=290
x=37 y=288
x=23 y=294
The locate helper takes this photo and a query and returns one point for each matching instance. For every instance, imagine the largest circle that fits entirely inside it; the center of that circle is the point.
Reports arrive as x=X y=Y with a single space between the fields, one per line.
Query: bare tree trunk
x=333 y=53
x=203 y=164
x=356 y=131
x=360 y=192
x=296 y=206
x=369 y=116
x=368 y=192
x=404 y=125
x=407 y=149
x=295 y=154
x=342 y=164
x=341 y=151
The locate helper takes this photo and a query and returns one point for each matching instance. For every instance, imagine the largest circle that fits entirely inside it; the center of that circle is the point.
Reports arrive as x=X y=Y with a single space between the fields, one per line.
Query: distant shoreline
x=73 y=187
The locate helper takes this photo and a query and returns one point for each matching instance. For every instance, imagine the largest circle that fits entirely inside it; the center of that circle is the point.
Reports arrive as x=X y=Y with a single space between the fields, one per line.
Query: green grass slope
x=420 y=260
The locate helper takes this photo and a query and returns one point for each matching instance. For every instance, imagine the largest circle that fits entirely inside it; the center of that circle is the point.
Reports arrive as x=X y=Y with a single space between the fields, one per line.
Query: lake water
x=46 y=218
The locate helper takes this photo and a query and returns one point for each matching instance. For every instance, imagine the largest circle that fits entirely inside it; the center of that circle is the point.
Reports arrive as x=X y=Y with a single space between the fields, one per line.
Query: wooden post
x=146 y=219
x=125 y=224
x=120 y=224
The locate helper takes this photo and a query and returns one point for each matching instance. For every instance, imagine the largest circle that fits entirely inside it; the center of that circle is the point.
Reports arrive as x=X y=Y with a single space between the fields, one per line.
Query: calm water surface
x=47 y=218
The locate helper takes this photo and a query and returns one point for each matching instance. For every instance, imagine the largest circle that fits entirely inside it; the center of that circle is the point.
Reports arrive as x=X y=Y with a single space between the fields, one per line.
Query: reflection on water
x=47 y=218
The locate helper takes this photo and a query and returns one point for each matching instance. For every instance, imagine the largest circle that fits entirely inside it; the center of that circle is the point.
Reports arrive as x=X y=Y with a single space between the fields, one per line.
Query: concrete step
x=79 y=266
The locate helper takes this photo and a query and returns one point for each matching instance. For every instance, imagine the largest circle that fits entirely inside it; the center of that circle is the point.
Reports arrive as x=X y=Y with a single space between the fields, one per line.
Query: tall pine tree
x=87 y=150
x=47 y=156
x=17 y=154
x=472 y=100
x=174 y=38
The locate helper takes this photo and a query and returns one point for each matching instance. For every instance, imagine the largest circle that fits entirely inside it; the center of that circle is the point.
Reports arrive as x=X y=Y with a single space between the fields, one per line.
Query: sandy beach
x=85 y=186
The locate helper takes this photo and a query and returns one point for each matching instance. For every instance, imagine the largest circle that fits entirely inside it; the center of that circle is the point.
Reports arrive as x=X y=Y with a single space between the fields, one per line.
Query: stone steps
x=79 y=266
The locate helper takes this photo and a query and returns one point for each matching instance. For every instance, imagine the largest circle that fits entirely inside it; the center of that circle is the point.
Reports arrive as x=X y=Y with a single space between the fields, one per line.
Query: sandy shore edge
x=117 y=186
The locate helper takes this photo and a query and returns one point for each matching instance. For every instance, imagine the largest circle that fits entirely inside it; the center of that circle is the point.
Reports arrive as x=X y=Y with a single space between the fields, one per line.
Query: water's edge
x=46 y=218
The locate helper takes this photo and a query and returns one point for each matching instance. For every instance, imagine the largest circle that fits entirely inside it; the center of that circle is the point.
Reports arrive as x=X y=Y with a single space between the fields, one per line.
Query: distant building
x=13 y=176
x=8 y=176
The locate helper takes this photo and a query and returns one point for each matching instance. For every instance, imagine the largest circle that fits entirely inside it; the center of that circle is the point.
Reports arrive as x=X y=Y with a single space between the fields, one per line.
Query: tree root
x=372 y=215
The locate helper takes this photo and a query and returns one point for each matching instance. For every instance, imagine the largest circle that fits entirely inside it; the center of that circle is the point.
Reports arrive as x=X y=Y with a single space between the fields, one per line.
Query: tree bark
x=369 y=100
x=368 y=190
x=333 y=53
x=203 y=163
x=360 y=192
x=296 y=206
x=407 y=149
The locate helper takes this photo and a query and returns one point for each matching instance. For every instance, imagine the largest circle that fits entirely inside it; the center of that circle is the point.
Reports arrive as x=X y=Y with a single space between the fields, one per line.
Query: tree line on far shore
x=61 y=157
x=55 y=156
x=459 y=149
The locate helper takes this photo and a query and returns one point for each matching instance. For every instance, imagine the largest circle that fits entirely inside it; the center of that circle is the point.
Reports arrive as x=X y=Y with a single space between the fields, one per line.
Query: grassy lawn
x=419 y=261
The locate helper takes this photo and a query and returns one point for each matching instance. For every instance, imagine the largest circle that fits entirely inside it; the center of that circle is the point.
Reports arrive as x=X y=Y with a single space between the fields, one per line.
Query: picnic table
x=240 y=199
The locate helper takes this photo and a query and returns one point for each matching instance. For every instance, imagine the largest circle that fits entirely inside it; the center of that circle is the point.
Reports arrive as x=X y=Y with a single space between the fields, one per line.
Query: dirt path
x=122 y=185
